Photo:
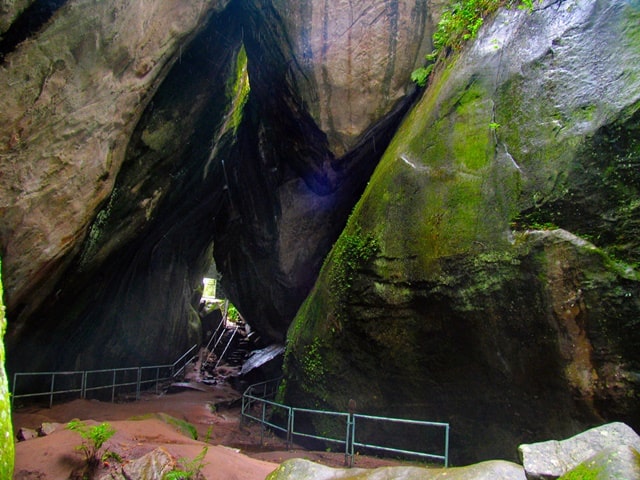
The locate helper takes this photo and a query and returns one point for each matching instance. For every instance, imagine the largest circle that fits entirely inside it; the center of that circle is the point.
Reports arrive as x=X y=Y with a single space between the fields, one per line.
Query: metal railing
x=344 y=433
x=83 y=381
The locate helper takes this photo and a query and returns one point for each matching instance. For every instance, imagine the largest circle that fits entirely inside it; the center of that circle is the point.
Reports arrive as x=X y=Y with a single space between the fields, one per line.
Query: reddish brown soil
x=242 y=457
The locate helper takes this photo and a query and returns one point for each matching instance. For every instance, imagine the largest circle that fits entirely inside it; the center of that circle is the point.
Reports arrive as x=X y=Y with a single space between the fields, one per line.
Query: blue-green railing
x=257 y=399
x=83 y=381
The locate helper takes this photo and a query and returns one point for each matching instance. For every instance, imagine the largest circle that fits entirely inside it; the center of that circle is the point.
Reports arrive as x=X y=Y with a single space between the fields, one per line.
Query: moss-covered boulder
x=487 y=276
x=6 y=429
x=615 y=462
x=613 y=443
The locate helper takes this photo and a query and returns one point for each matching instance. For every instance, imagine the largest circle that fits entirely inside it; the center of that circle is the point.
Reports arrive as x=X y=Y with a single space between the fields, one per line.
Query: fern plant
x=459 y=23
x=94 y=438
x=189 y=469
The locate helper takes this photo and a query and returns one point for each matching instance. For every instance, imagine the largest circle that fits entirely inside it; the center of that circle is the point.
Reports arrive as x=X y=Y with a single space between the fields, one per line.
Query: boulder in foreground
x=553 y=459
x=491 y=470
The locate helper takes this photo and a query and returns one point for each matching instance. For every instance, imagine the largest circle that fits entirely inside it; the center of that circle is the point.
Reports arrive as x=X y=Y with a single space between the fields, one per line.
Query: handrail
x=184 y=355
x=113 y=383
x=406 y=421
x=249 y=400
x=235 y=330
x=215 y=332
x=274 y=381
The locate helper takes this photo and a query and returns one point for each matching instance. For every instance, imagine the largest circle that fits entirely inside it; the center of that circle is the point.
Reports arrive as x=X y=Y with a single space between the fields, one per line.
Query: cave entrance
x=231 y=350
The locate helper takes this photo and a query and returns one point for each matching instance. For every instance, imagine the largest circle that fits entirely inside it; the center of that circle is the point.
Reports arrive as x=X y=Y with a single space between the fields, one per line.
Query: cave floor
x=213 y=410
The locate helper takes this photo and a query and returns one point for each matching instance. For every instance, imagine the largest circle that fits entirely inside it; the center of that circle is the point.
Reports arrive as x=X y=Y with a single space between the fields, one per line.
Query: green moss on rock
x=621 y=462
x=6 y=435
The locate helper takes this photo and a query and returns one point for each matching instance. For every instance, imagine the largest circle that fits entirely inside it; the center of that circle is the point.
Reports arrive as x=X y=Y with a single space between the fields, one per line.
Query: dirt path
x=213 y=410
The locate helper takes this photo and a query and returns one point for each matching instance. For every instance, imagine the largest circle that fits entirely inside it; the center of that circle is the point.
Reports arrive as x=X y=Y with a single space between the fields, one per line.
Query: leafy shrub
x=458 y=24
x=94 y=438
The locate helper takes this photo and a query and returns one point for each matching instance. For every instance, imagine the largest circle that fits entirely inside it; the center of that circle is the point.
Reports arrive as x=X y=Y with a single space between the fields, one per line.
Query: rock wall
x=143 y=137
x=74 y=210
x=353 y=59
x=488 y=275
x=326 y=95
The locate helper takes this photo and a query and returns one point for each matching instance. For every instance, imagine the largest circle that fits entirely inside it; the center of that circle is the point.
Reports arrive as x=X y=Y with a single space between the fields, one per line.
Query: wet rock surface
x=490 y=470
x=462 y=289
x=553 y=459
x=613 y=462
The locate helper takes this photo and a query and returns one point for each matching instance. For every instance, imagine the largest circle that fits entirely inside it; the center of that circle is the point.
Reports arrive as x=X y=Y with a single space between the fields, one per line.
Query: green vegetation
x=238 y=90
x=352 y=251
x=312 y=362
x=93 y=439
x=458 y=24
x=591 y=471
x=232 y=313
x=188 y=469
x=6 y=431
x=532 y=221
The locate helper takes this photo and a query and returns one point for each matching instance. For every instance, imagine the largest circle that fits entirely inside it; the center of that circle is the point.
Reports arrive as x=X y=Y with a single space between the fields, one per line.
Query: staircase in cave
x=229 y=346
x=238 y=346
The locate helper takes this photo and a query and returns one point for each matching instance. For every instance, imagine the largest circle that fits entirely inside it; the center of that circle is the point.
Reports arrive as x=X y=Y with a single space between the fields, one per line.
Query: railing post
x=351 y=431
x=242 y=411
x=446 y=446
x=264 y=411
x=83 y=385
x=157 y=379
x=293 y=423
x=113 y=387
x=138 y=383
x=13 y=391
x=289 y=428
x=53 y=381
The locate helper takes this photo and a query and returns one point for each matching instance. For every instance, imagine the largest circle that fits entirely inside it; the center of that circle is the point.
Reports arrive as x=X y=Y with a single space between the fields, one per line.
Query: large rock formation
x=73 y=98
x=143 y=138
x=328 y=88
x=140 y=136
x=487 y=276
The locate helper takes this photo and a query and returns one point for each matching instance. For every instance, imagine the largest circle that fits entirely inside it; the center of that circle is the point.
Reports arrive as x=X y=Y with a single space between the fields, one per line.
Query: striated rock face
x=352 y=60
x=452 y=295
x=313 y=133
x=71 y=105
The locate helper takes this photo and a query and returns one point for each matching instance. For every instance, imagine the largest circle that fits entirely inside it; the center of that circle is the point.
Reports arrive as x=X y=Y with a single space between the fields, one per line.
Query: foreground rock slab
x=611 y=463
x=552 y=459
x=490 y=470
